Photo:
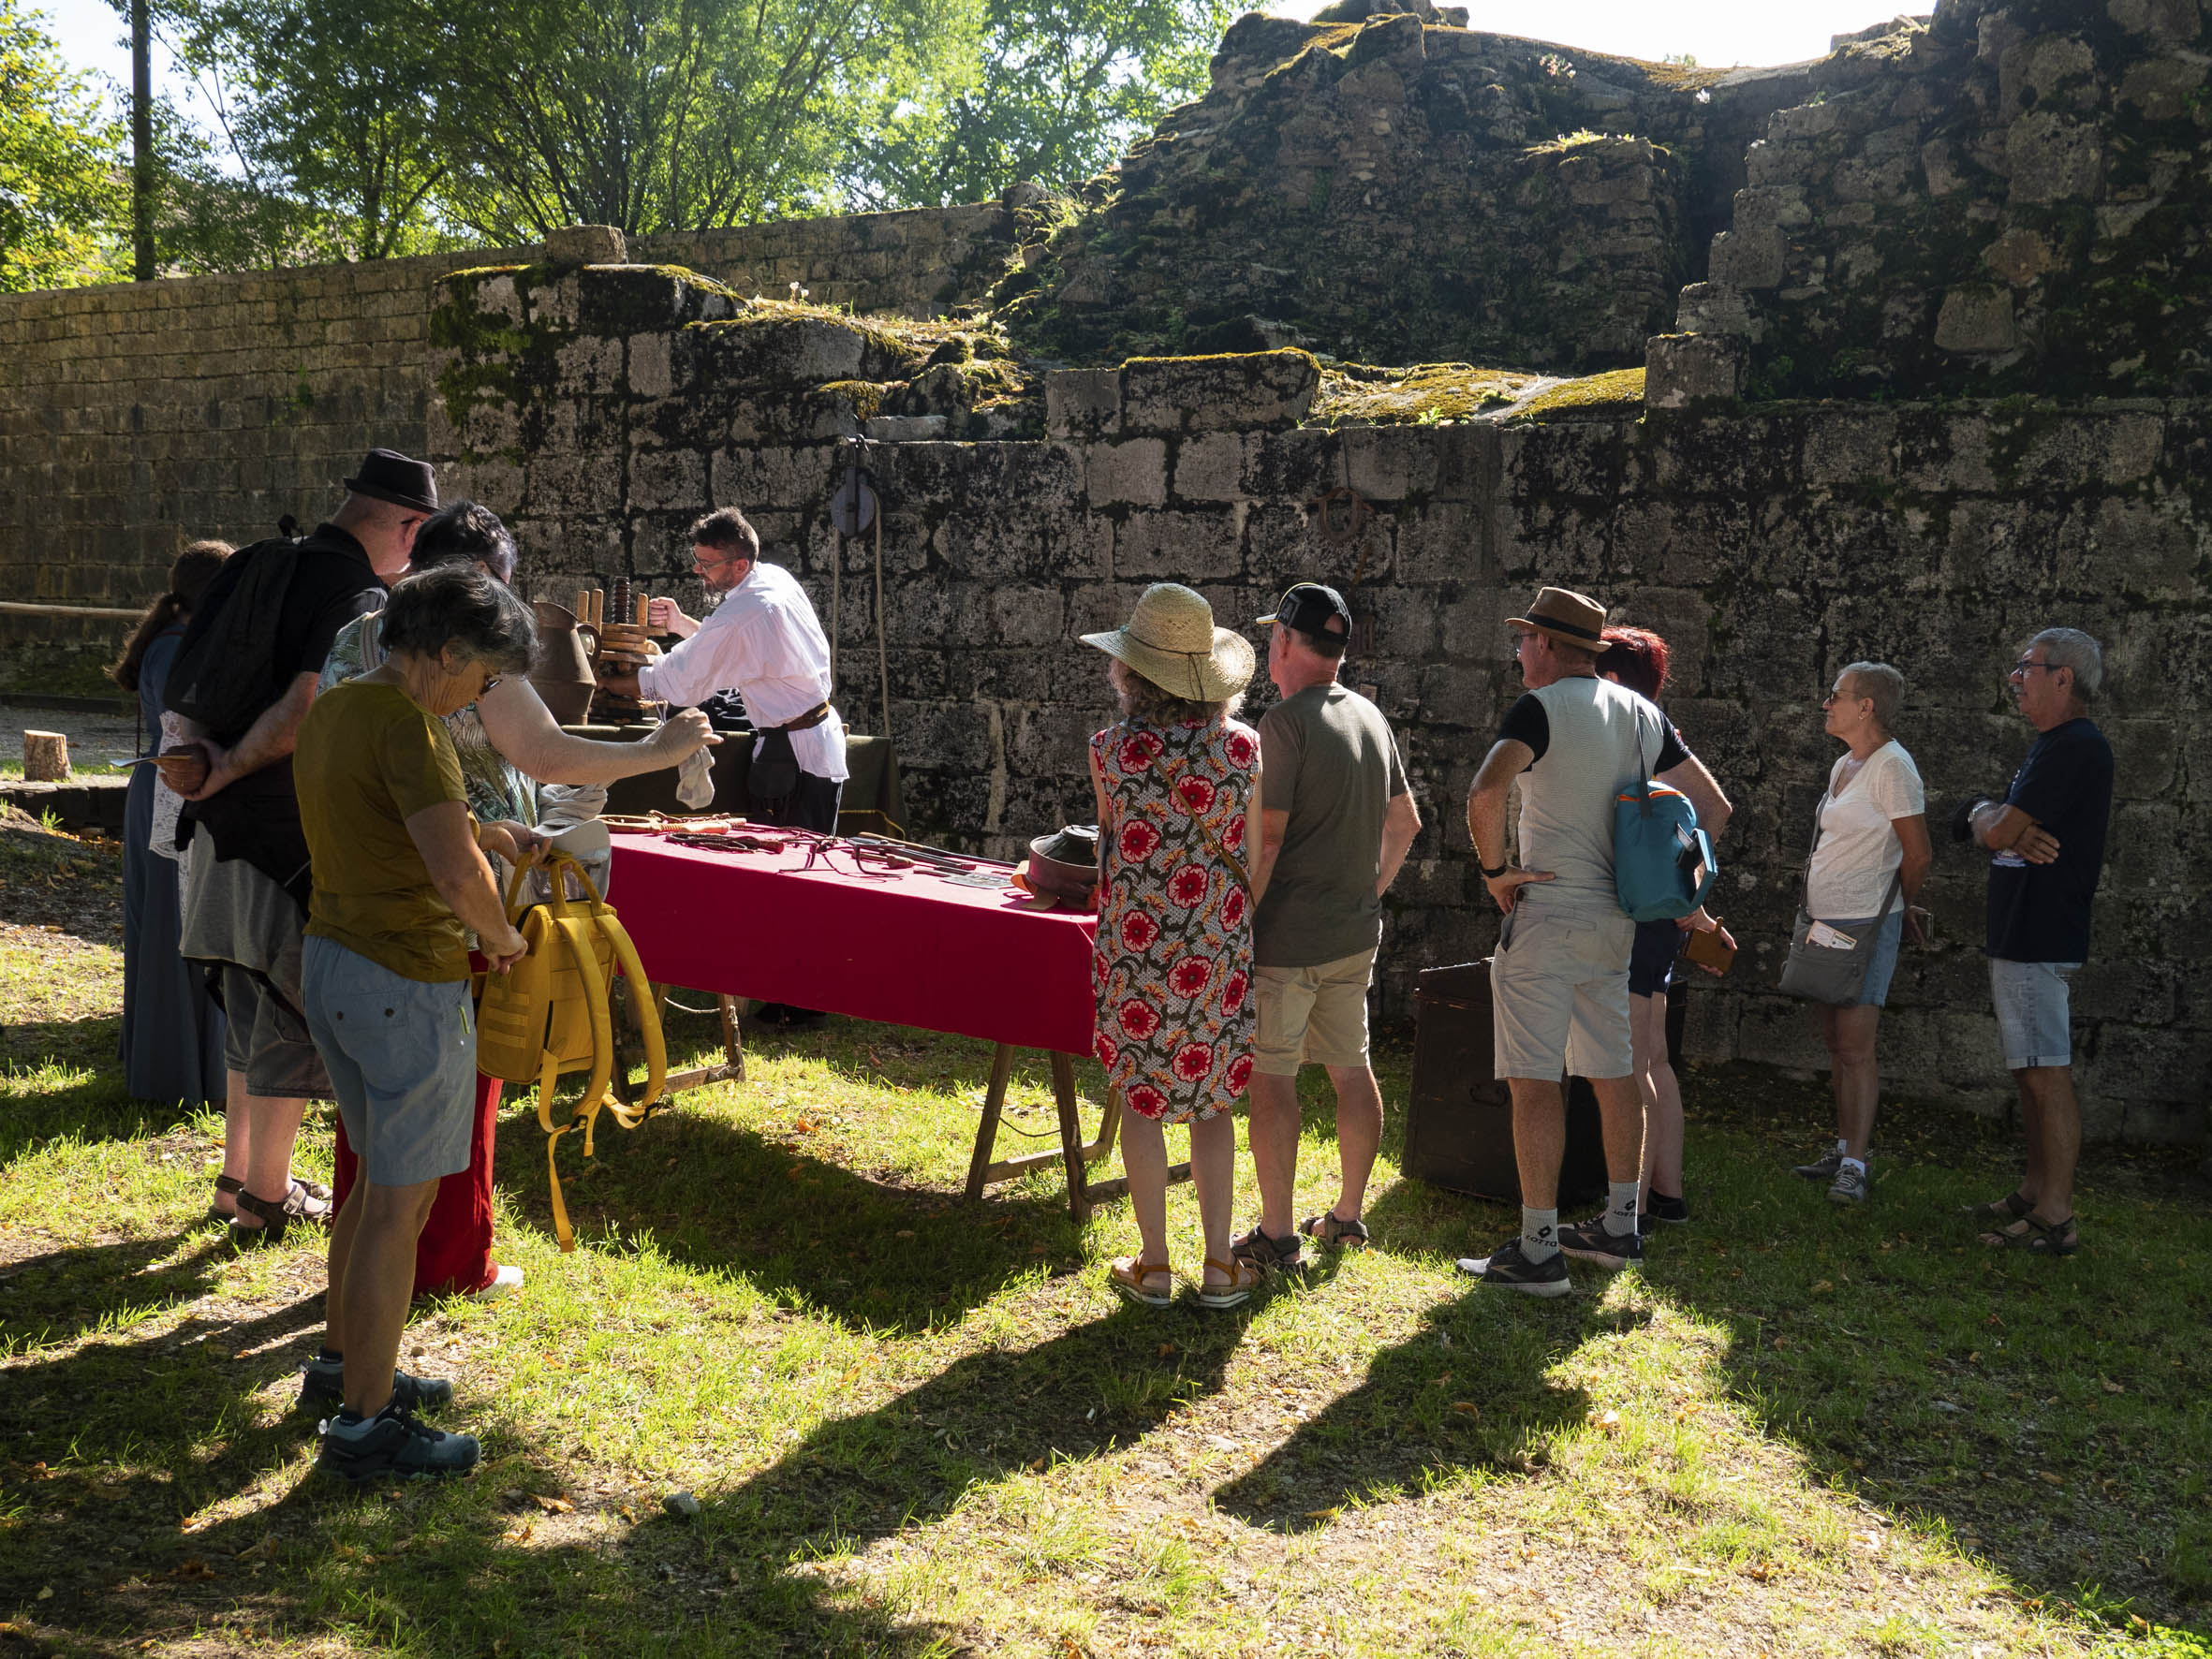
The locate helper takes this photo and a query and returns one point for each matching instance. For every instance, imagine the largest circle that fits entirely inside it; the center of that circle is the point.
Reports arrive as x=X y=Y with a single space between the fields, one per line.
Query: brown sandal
x=1243 y=1279
x=2038 y=1237
x=225 y=1187
x=1127 y=1273
x=300 y=1203
x=2004 y=1210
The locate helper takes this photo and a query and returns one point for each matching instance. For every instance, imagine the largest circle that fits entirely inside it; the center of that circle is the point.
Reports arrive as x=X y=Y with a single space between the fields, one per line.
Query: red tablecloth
x=910 y=948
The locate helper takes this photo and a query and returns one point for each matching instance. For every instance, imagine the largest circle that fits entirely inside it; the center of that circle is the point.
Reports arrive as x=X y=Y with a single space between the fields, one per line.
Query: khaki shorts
x=1559 y=994
x=1315 y=1016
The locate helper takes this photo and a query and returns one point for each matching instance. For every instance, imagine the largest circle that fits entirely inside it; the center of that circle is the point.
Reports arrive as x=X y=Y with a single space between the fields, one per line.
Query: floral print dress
x=1173 y=968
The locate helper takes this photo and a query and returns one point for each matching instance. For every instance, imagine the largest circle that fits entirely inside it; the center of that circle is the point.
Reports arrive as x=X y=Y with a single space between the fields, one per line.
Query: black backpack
x=225 y=673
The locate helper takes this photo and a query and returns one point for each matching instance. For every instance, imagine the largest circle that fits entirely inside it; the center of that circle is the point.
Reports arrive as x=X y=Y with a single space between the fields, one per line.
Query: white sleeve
x=715 y=659
x=1896 y=788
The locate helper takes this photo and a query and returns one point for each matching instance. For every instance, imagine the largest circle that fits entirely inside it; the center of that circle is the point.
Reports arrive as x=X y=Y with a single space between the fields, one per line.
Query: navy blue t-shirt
x=2040 y=913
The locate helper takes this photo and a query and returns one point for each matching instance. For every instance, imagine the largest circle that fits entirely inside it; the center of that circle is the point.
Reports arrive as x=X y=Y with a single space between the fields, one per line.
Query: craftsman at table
x=762 y=640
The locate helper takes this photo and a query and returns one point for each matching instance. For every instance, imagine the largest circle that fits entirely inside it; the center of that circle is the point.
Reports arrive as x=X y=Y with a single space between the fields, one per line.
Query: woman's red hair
x=1638 y=655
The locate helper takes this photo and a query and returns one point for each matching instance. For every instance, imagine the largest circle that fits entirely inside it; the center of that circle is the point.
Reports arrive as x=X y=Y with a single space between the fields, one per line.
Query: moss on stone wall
x=1595 y=394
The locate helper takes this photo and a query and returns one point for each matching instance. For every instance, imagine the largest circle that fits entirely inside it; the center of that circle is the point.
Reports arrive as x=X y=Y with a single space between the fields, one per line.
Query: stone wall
x=2004 y=198
x=1390 y=193
x=137 y=417
x=602 y=409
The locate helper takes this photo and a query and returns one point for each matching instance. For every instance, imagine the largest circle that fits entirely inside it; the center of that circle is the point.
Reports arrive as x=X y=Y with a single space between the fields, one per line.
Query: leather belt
x=806 y=722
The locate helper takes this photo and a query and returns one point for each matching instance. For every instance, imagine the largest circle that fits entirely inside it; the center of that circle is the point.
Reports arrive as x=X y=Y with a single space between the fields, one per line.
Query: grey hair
x=458 y=605
x=2069 y=648
x=1882 y=687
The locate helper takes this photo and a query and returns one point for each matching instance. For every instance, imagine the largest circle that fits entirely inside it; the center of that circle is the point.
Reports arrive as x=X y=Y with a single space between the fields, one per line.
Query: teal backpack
x=1662 y=862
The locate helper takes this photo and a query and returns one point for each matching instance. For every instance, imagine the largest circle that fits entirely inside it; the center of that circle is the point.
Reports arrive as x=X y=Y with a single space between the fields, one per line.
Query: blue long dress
x=172 y=1032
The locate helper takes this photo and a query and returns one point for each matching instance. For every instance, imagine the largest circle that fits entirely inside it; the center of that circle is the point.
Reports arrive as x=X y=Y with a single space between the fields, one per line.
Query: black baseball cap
x=1308 y=607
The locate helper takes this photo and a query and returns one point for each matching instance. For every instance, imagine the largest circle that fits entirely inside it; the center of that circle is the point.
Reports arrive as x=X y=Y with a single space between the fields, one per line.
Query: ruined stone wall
x=2008 y=198
x=137 y=417
x=1391 y=193
x=601 y=410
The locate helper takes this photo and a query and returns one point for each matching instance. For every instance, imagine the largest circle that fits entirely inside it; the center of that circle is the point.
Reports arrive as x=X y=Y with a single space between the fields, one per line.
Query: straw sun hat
x=1172 y=640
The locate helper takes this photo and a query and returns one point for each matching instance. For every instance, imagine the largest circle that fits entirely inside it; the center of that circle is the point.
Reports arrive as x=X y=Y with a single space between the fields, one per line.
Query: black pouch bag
x=775 y=773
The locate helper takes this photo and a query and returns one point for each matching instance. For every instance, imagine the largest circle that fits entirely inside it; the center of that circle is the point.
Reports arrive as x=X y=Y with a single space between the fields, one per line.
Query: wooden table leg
x=731 y=1068
x=978 y=1166
x=1071 y=1146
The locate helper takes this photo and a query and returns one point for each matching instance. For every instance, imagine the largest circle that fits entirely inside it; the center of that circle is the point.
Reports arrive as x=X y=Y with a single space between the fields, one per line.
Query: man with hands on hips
x=761 y=638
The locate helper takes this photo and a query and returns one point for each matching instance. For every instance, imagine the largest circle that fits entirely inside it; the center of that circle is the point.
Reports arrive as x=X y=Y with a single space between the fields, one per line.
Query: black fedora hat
x=389 y=476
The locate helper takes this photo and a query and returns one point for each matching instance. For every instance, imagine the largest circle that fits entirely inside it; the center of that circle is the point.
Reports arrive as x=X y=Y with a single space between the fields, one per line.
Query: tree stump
x=45 y=757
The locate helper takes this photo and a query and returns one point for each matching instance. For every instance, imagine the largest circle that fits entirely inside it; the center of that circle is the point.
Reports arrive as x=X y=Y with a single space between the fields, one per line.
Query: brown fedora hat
x=1570 y=618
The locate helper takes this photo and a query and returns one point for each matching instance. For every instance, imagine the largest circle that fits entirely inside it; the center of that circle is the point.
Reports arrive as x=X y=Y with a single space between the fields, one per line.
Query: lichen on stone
x=1425 y=394
x=1595 y=394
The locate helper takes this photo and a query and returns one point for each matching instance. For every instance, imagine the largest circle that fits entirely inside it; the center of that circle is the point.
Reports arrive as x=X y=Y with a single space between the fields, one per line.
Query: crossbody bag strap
x=1236 y=867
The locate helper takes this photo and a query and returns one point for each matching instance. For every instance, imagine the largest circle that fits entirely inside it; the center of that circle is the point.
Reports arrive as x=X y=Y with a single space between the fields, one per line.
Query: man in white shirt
x=761 y=639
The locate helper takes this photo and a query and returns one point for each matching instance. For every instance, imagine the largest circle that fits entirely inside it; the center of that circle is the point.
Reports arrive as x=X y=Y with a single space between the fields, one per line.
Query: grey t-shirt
x=1327 y=758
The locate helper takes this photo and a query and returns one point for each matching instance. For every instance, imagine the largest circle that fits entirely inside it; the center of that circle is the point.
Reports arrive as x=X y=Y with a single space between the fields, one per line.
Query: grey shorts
x=1317 y=1015
x=1560 y=992
x=402 y=1057
x=240 y=922
x=2033 y=1012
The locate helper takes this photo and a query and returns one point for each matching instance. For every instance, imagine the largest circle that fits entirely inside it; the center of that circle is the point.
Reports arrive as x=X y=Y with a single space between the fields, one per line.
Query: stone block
x=1210 y=467
x=1249 y=392
x=1083 y=404
x=1976 y=318
x=1188 y=546
x=1133 y=472
x=1684 y=370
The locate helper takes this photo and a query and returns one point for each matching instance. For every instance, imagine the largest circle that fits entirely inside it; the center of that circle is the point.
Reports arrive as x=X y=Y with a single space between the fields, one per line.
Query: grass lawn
x=913 y=1427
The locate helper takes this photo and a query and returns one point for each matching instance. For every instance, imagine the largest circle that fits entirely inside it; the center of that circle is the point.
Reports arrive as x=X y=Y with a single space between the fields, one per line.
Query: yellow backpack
x=549 y=1014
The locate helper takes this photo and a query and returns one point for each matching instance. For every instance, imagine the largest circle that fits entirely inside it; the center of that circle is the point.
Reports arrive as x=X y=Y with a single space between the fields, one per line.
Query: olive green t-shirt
x=369 y=757
x=1327 y=758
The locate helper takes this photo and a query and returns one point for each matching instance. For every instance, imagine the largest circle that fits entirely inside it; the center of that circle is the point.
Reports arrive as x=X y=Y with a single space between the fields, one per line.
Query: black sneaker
x=1508 y=1267
x=1270 y=1255
x=322 y=1388
x=1660 y=1207
x=1822 y=1169
x=392 y=1444
x=1588 y=1240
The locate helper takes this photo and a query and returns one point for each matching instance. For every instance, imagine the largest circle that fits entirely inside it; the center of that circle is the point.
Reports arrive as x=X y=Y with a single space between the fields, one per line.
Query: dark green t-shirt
x=1327 y=758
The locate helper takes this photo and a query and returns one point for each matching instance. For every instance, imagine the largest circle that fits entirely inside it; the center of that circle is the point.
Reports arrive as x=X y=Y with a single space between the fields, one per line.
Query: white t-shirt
x=1859 y=850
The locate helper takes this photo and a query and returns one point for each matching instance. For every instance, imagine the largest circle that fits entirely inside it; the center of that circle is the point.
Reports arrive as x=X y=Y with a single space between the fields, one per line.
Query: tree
x=673 y=114
x=328 y=111
x=61 y=195
x=1064 y=86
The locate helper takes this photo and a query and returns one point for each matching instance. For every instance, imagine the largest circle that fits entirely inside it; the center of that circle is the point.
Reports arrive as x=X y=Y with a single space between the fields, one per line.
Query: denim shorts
x=402 y=1058
x=2033 y=1012
x=1651 y=962
x=1881 y=967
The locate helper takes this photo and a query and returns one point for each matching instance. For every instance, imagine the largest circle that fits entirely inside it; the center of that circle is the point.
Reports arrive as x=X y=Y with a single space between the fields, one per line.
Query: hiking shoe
x=1508 y=1267
x=1270 y=1255
x=322 y=1388
x=1850 y=1186
x=1822 y=1169
x=392 y=1444
x=1660 y=1207
x=1590 y=1241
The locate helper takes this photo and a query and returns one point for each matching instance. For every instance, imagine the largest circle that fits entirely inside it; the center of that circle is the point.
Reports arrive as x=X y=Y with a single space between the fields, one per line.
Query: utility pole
x=141 y=140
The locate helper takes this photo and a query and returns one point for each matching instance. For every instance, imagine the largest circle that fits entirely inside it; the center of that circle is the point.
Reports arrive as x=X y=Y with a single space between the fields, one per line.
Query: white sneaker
x=506 y=1281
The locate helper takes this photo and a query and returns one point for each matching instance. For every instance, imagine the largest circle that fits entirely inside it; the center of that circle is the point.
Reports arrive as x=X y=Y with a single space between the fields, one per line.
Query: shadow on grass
x=91 y=1287
x=2036 y=1409
x=871 y=1253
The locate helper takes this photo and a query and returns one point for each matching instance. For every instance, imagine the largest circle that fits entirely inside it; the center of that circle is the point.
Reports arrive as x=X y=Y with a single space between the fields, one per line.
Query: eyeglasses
x=491 y=681
x=2027 y=665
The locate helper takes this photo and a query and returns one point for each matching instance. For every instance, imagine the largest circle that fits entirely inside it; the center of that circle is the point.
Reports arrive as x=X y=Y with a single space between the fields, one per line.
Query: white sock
x=1539 y=1234
x=1620 y=1207
x=1852 y=1163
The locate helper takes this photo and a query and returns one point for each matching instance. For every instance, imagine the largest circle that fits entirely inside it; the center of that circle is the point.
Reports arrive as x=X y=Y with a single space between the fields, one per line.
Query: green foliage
x=1062 y=88
x=327 y=112
x=62 y=159
x=670 y=114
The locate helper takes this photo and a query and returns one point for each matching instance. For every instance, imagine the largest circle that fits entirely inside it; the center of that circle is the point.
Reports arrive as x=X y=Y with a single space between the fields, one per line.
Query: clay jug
x=562 y=674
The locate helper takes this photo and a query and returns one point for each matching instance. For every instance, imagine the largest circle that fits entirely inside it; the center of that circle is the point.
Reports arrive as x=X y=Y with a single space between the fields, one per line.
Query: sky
x=1717 y=33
